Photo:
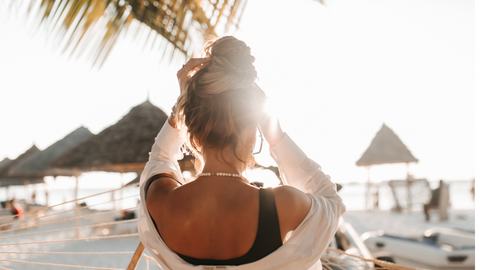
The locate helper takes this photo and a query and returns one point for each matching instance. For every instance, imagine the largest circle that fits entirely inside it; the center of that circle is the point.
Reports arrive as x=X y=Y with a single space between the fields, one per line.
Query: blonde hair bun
x=230 y=67
x=221 y=99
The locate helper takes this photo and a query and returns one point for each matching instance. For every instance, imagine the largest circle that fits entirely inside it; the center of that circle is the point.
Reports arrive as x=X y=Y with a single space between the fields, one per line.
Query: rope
x=68 y=219
x=48 y=207
x=343 y=263
x=66 y=253
x=57 y=213
x=61 y=265
x=5 y=268
x=73 y=228
x=389 y=265
x=148 y=258
x=69 y=240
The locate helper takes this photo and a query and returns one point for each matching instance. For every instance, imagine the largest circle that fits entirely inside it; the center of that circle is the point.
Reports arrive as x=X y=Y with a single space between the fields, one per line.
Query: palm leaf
x=91 y=27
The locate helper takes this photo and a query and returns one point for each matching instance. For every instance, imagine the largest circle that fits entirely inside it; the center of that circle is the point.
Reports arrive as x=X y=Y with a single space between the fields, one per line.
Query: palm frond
x=92 y=27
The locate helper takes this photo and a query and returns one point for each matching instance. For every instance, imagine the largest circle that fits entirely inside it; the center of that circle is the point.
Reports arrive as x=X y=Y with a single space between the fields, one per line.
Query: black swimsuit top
x=267 y=240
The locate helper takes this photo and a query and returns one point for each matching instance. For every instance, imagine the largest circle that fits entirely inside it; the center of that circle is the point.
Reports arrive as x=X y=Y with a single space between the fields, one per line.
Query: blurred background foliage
x=91 y=27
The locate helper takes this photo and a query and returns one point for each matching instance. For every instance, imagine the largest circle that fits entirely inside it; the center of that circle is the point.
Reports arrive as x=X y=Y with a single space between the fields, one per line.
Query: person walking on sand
x=219 y=218
x=434 y=200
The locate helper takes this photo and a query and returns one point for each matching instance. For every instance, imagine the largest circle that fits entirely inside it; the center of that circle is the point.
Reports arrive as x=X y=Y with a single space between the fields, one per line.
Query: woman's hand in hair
x=270 y=125
x=194 y=64
x=271 y=130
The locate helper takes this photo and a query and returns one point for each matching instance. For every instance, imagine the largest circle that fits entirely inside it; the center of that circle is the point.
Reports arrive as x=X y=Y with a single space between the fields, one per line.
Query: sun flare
x=270 y=108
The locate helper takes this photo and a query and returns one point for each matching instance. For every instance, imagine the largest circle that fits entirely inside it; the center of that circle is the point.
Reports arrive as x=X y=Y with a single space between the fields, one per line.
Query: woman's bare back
x=216 y=217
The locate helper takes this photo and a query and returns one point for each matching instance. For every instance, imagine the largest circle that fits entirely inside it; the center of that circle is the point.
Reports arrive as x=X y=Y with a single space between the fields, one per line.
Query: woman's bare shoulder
x=159 y=189
x=292 y=207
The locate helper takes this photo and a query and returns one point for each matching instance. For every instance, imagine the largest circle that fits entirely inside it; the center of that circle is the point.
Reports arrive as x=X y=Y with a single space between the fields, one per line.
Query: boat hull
x=422 y=253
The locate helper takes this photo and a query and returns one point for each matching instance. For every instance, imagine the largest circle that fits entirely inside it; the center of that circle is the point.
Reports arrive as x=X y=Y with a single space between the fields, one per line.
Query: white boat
x=347 y=239
x=437 y=249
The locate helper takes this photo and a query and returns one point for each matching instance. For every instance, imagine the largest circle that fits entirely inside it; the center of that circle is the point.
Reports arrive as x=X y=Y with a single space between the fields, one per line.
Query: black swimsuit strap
x=155 y=177
x=267 y=240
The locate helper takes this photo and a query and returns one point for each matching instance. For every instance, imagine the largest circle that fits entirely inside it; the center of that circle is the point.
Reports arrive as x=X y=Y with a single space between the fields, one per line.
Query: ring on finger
x=184 y=67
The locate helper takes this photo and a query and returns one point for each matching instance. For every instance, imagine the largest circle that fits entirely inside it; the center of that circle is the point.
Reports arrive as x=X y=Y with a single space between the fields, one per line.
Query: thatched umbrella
x=122 y=147
x=4 y=161
x=38 y=164
x=4 y=169
x=385 y=148
x=6 y=180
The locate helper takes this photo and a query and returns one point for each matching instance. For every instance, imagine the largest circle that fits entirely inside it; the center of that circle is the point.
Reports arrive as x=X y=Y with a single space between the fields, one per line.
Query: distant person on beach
x=126 y=215
x=34 y=197
x=472 y=190
x=219 y=217
x=434 y=200
x=375 y=197
x=15 y=208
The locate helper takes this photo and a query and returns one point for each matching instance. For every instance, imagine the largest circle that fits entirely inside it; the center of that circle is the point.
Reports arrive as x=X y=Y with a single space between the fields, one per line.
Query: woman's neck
x=216 y=161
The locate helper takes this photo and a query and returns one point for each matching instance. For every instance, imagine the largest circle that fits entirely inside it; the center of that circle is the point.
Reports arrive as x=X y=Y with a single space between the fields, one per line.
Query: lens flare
x=270 y=108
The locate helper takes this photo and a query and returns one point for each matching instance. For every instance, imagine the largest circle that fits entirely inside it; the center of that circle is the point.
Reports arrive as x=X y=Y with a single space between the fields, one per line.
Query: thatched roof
x=38 y=165
x=4 y=162
x=386 y=147
x=122 y=147
x=6 y=180
x=20 y=181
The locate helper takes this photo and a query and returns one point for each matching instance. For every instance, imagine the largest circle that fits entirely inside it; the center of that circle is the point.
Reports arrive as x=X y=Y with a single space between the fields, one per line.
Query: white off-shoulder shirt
x=306 y=243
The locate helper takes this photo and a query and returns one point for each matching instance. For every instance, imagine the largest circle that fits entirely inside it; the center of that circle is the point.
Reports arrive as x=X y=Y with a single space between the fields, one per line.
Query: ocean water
x=353 y=195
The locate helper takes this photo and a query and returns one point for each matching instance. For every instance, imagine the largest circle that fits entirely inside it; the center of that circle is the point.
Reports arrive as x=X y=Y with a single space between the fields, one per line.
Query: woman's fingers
x=194 y=64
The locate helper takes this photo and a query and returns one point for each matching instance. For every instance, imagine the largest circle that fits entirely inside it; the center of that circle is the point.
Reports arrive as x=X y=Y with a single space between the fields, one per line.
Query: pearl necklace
x=236 y=175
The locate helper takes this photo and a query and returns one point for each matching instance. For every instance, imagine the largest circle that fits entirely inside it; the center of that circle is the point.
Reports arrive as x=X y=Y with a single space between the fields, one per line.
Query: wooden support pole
x=26 y=182
x=120 y=202
x=367 y=189
x=136 y=257
x=409 y=192
x=77 y=223
x=45 y=189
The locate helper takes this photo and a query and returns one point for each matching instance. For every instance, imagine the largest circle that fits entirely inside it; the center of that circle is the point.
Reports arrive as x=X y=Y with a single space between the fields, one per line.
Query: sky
x=334 y=73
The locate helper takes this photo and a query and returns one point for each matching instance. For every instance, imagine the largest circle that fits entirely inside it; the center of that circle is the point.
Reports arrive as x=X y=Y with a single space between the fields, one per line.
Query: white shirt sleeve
x=320 y=224
x=164 y=155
